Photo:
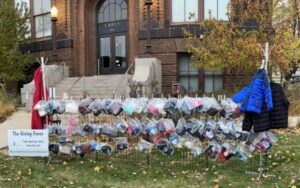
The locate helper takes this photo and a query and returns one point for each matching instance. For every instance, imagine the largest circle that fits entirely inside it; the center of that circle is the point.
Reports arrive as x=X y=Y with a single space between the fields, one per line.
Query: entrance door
x=112 y=36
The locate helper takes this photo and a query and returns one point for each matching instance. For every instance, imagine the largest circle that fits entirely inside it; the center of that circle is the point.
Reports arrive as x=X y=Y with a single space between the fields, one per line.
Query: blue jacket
x=253 y=96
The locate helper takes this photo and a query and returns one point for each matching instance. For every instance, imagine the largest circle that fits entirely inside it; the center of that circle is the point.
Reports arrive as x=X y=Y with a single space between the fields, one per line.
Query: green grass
x=133 y=171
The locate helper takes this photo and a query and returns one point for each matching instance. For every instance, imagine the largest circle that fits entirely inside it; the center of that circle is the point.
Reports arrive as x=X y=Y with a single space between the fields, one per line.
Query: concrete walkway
x=18 y=120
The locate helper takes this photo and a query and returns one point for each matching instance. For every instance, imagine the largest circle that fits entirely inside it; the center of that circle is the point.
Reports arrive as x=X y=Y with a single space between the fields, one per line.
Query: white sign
x=28 y=143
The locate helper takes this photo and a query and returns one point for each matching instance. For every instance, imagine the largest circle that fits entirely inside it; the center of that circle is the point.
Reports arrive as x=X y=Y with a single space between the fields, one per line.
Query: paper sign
x=28 y=143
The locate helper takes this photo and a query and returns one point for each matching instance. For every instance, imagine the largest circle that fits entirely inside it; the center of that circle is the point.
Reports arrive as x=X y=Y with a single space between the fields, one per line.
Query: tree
x=236 y=50
x=12 y=32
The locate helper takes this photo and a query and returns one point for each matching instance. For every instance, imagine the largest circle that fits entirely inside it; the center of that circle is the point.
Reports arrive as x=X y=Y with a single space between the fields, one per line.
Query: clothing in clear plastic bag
x=165 y=126
x=71 y=107
x=227 y=151
x=213 y=149
x=176 y=140
x=170 y=106
x=83 y=106
x=230 y=109
x=40 y=107
x=129 y=106
x=144 y=146
x=107 y=130
x=242 y=152
x=181 y=127
x=65 y=149
x=210 y=106
x=58 y=107
x=193 y=144
x=121 y=143
x=165 y=147
x=155 y=106
x=141 y=105
x=54 y=148
x=121 y=125
x=101 y=147
x=194 y=127
x=134 y=127
x=115 y=107
x=185 y=105
x=151 y=127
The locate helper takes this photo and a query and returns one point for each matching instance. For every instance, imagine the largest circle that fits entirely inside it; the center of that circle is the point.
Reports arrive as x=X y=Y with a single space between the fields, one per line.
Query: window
x=42 y=18
x=185 y=10
x=213 y=81
x=216 y=9
x=39 y=22
x=188 y=74
x=112 y=10
x=25 y=4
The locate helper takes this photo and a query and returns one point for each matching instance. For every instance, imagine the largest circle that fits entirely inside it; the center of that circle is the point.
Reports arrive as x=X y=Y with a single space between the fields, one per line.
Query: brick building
x=105 y=36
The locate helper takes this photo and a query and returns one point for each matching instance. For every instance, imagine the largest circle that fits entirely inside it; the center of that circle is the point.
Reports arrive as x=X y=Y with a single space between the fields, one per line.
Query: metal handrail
x=79 y=78
x=122 y=78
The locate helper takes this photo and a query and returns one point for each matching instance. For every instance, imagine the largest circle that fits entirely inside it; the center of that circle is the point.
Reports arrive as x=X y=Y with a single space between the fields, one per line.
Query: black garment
x=279 y=114
x=275 y=119
x=260 y=122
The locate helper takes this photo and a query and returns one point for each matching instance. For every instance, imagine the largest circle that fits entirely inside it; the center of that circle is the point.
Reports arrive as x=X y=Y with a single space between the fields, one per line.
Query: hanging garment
x=38 y=122
x=259 y=122
x=279 y=114
x=253 y=96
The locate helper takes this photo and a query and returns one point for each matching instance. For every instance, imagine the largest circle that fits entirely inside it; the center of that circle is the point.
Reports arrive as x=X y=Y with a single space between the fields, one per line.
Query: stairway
x=102 y=86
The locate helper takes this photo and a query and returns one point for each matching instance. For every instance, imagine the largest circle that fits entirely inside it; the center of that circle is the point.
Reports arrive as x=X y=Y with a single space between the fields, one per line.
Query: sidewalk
x=18 y=120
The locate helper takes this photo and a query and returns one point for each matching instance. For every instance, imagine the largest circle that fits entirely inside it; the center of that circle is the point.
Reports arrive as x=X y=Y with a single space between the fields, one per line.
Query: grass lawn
x=175 y=171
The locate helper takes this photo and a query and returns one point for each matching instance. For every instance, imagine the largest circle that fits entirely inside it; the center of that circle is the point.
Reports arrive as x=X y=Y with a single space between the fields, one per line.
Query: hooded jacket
x=253 y=96
x=275 y=119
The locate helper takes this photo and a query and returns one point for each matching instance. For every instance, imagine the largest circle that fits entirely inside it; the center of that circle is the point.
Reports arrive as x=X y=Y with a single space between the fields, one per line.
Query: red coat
x=38 y=122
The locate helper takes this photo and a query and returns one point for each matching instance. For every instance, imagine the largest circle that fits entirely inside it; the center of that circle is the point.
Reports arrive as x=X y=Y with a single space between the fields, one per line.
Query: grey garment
x=165 y=125
x=165 y=147
x=170 y=106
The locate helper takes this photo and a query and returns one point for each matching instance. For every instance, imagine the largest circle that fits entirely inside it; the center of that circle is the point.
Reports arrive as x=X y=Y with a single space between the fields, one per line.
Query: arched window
x=112 y=10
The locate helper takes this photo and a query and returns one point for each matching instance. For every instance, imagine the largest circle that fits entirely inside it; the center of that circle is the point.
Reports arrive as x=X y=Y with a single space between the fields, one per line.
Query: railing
x=122 y=78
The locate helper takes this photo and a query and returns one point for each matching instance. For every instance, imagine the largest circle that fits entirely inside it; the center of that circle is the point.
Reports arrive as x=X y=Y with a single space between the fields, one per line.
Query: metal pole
x=43 y=76
x=54 y=38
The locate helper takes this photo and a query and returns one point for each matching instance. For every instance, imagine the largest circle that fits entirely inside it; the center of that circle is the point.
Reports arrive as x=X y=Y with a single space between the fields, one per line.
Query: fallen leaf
x=97 y=169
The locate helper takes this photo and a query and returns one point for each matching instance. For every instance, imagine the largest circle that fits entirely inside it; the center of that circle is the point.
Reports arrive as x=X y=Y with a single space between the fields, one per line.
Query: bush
x=7 y=107
x=293 y=93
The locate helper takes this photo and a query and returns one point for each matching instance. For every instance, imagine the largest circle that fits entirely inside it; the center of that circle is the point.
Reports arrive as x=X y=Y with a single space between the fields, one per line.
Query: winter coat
x=253 y=96
x=279 y=114
x=277 y=118
x=259 y=122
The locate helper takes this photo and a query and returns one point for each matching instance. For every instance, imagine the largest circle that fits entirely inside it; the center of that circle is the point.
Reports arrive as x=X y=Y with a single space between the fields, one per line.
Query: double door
x=112 y=54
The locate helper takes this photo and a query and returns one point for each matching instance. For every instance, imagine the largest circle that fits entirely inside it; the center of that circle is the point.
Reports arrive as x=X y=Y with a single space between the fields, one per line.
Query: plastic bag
x=71 y=107
x=121 y=143
x=181 y=127
x=121 y=125
x=141 y=104
x=115 y=107
x=129 y=106
x=58 y=107
x=83 y=106
x=165 y=126
x=101 y=147
x=176 y=140
x=210 y=106
x=230 y=109
x=151 y=127
x=165 y=147
x=170 y=106
x=108 y=130
x=155 y=106
x=212 y=150
x=144 y=146
x=134 y=127
x=185 y=106
x=227 y=151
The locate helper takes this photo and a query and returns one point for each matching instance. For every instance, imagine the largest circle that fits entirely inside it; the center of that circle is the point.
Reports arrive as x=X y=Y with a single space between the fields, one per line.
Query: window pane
x=223 y=5
x=100 y=17
x=39 y=30
x=112 y=12
x=218 y=83
x=37 y=7
x=184 y=82
x=124 y=14
x=184 y=65
x=46 y=5
x=193 y=84
x=208 y=84
x=210 y=9
x=191 y=10
x=178 y=10
x=120 y=45
x=47 y=25
x=105 y=52
x=118 y=13
x=106 y=14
